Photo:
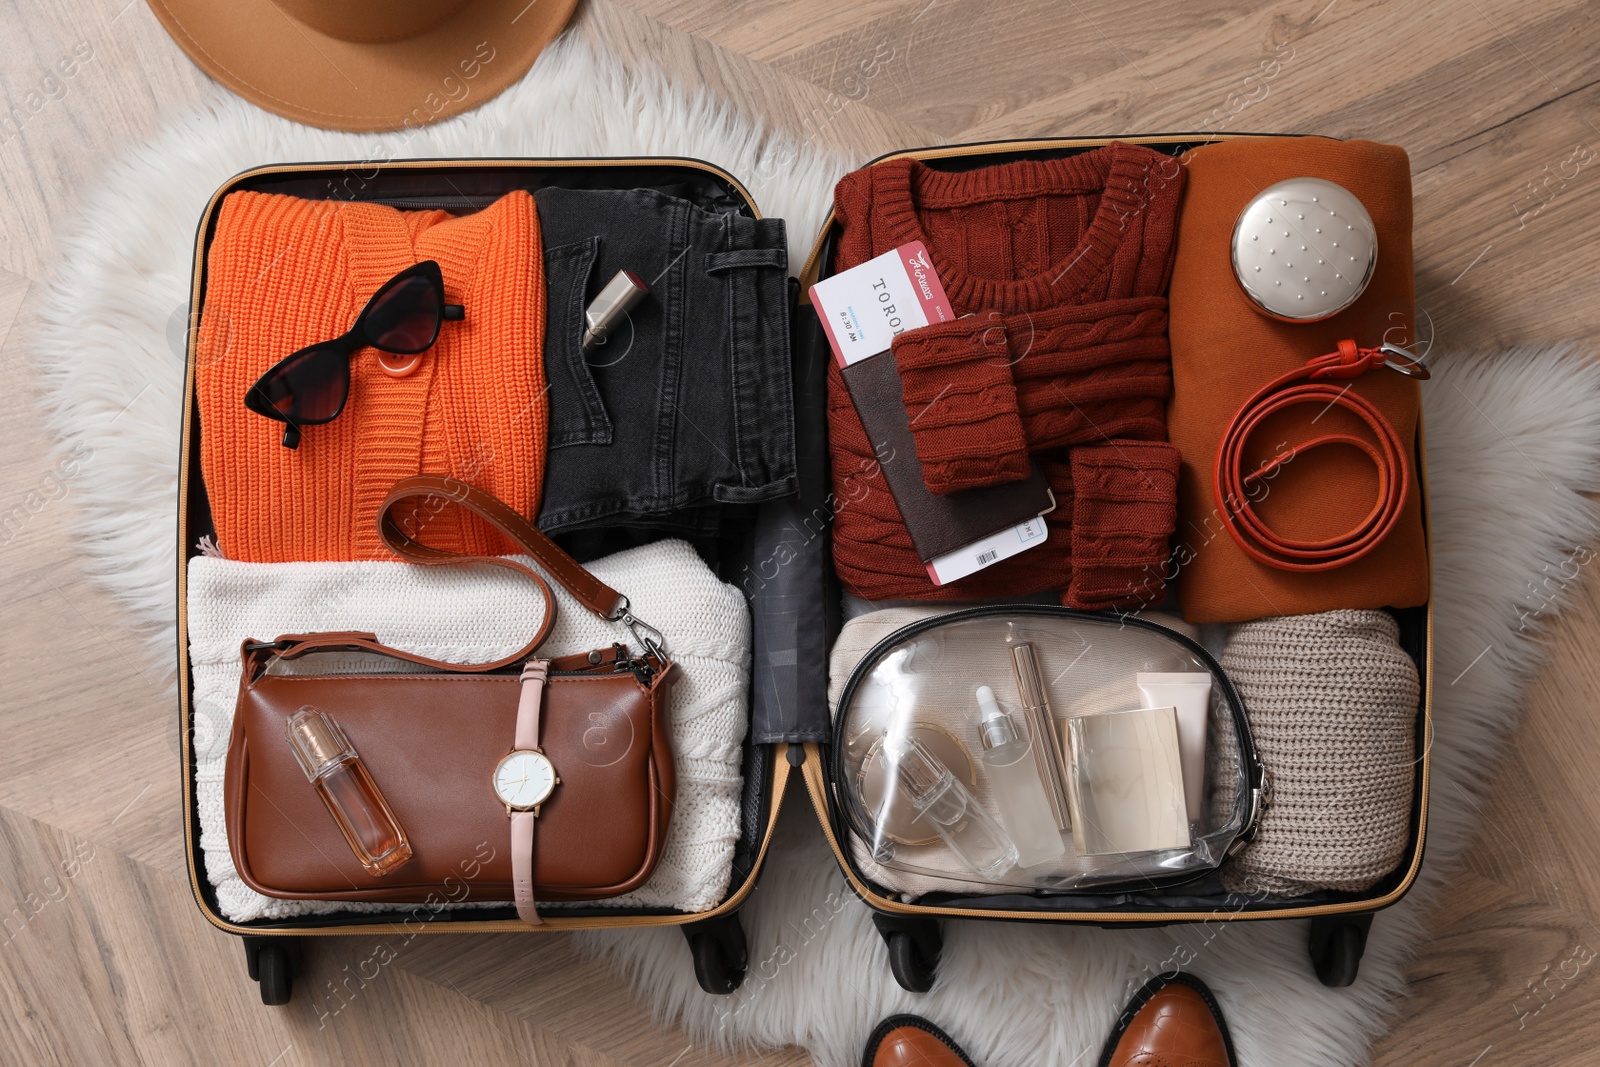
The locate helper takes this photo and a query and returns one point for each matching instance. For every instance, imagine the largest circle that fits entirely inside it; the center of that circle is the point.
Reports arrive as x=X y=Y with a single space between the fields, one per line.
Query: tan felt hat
x=364 y=64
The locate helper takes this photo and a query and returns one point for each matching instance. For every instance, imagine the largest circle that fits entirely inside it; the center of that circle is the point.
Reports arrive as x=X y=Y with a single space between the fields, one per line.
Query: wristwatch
x=523 y=780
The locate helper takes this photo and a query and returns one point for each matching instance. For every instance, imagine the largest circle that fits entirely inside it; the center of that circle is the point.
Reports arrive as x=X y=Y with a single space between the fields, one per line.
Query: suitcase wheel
x=721 y=956
x=1337 y=943
x=914 y=948
x=273 y=963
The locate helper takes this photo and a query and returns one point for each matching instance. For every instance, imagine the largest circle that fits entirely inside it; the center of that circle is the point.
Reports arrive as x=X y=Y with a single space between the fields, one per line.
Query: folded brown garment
x=1223 y=350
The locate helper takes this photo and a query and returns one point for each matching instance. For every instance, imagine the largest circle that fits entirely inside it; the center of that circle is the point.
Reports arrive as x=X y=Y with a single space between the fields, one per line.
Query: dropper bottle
x=1013 y=776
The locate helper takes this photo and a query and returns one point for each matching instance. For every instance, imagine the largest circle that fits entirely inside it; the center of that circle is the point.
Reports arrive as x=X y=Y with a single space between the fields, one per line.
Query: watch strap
x=525 y=824
x=530 y=703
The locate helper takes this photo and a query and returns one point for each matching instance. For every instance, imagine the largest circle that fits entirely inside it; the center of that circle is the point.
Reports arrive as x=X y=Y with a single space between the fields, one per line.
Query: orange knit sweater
x=283 y=273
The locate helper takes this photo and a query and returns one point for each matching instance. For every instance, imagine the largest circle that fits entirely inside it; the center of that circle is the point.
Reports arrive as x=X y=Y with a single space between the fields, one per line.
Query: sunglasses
x=310 y=386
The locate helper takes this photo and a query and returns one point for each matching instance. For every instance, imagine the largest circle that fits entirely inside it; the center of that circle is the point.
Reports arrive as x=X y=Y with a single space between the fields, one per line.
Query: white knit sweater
x=471 y=615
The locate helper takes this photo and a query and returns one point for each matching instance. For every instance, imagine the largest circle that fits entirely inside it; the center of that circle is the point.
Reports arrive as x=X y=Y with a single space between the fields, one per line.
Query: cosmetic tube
x=952 y=811
x=1047 y=751
x=1013 y=777
x=1190 y=693
x=341 y=779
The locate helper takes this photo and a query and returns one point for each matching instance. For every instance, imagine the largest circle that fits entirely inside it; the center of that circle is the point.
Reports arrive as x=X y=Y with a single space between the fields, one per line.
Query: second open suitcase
x=911 y=655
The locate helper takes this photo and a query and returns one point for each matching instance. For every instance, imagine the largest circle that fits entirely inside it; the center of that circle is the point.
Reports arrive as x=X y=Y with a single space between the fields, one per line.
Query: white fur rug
x=112 y=330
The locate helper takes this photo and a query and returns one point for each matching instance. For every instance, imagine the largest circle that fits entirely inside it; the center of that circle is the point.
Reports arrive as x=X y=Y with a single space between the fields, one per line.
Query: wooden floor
x=104 y=958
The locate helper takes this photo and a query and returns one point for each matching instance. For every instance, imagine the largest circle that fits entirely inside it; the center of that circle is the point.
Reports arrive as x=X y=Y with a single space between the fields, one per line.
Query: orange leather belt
x=1316 y=383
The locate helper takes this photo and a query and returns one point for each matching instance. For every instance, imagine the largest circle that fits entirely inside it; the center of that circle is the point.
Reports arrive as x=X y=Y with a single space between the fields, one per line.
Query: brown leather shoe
x=1173 y=1021
x=912 y=1041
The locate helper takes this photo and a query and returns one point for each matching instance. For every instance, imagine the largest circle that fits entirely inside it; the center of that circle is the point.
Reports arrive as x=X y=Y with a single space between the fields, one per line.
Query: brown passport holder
x=937 y=523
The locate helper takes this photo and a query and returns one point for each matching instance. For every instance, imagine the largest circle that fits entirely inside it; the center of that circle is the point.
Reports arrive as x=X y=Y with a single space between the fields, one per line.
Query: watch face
x=523 y=779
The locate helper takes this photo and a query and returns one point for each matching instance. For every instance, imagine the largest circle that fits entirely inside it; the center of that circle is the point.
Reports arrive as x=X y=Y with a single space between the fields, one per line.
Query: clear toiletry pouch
x=1035 y=747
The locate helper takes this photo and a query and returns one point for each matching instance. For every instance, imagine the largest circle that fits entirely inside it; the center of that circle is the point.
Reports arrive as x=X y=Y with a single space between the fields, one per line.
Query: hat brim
x=279 y=63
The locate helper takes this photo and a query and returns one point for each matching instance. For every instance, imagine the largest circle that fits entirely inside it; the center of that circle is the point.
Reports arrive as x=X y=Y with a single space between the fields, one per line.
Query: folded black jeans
x=687 y=408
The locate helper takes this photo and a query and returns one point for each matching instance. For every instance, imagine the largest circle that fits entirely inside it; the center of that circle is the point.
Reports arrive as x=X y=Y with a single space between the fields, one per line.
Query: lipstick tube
x=619 y=297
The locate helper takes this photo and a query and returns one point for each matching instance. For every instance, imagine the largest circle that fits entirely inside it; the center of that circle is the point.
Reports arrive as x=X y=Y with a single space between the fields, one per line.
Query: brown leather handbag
x=432 y=740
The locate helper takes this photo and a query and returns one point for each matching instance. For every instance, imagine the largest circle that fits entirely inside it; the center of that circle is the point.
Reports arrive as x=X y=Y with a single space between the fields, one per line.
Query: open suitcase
x=715 y=937
x=777 y=553
x=1339 y=922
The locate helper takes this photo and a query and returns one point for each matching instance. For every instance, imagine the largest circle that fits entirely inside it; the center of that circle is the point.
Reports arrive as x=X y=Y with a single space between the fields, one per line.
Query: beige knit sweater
x=1332 y=701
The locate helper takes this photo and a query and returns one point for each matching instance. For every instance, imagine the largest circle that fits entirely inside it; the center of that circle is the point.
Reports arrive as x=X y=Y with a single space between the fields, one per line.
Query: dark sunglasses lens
x=308 y=387
x=404 y=316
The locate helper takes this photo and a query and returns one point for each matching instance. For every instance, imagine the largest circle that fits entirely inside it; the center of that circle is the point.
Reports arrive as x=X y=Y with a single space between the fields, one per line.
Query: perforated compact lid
x=1304 y=249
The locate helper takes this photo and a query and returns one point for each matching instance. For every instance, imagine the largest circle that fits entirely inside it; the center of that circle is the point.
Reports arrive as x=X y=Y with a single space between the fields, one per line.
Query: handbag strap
x=590 y=591
x=434 y=493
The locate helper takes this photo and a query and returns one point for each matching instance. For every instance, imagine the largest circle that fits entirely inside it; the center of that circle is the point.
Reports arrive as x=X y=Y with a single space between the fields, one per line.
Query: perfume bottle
x=1009 y=766
x=346 y=787
x=952 y=811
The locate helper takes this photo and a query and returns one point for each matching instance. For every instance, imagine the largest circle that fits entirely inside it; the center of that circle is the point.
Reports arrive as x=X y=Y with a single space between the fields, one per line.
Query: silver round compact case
x=1304 y=249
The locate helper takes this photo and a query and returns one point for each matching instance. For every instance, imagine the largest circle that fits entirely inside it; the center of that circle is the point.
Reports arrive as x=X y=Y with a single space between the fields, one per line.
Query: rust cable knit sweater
x=282 y=273
x=1058 y=271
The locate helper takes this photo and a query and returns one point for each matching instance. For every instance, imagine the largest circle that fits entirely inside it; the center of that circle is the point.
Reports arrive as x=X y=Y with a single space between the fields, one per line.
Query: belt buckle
x=1408 y=364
